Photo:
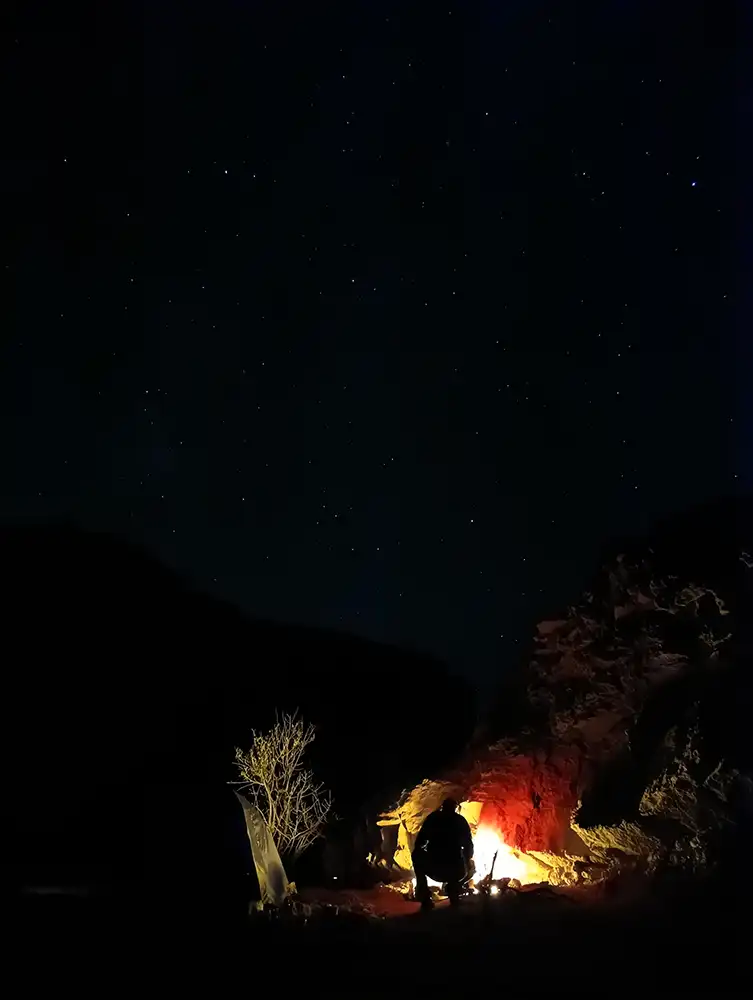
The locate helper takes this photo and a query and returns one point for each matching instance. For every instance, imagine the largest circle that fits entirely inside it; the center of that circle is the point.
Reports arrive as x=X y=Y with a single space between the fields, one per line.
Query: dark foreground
x=692 y=943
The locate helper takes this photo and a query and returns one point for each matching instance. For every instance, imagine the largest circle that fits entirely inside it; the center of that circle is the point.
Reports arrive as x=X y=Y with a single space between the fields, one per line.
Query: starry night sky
x=378 y=316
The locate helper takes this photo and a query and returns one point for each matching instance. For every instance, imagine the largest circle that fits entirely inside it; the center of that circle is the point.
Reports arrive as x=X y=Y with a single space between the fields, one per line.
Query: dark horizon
x=384 y=319
x=695 y=543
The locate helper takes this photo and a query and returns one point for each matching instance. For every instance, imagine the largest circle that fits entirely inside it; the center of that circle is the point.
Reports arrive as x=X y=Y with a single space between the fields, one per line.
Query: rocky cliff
x=627 y=737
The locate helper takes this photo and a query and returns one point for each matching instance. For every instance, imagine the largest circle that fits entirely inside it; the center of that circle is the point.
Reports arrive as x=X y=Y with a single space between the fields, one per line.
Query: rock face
x=593 y=671
x=706 y=799
x=627 y=735
x=528 y=799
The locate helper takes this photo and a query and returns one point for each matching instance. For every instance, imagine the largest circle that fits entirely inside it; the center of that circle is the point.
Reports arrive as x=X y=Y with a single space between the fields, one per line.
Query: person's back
x=443 y=851
x=444 y=834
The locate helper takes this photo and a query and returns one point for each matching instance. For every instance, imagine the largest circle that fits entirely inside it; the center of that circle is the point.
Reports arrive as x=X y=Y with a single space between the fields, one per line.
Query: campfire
x=495 y=861
x=489 y=849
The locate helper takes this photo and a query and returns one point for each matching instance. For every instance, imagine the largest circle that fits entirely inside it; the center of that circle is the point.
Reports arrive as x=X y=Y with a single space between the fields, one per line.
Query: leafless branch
x=295 y=806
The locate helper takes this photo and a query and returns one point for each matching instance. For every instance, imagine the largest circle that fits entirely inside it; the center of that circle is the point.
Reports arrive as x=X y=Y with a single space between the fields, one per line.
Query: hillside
x=123 y=682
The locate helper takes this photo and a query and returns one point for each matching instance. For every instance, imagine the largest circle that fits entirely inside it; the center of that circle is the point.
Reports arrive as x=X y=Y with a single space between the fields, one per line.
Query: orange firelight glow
x=508 y=864
x=487 y=842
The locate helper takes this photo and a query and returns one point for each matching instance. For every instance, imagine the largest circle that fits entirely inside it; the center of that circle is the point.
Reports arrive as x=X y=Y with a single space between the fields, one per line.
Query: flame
x=509 y=863
x=486 y=844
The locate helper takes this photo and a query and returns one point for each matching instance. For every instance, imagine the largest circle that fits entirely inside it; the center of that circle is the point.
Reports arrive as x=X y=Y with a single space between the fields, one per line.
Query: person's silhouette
x=443 y=852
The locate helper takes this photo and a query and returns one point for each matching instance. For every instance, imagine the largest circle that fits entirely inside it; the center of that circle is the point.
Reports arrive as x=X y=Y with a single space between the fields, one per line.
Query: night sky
x=384 y=317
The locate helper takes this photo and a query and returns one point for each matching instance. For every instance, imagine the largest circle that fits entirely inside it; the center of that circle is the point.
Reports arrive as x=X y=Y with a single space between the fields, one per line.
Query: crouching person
x=443 y=852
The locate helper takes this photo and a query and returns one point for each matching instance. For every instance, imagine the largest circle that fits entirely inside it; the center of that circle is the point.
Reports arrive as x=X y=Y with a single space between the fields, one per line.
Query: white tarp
x=273 y=881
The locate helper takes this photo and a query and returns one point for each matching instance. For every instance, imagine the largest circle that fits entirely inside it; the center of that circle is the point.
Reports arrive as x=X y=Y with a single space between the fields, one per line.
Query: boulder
x=626 y=838
x=704 y=801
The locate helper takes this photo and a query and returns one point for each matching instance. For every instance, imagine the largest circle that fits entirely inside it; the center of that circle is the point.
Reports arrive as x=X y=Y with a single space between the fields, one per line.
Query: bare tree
x=294 y=805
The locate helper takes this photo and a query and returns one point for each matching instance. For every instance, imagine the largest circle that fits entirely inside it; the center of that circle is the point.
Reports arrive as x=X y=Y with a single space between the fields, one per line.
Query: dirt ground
x=539 y=943
x=379 y=901
x=527 y=945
